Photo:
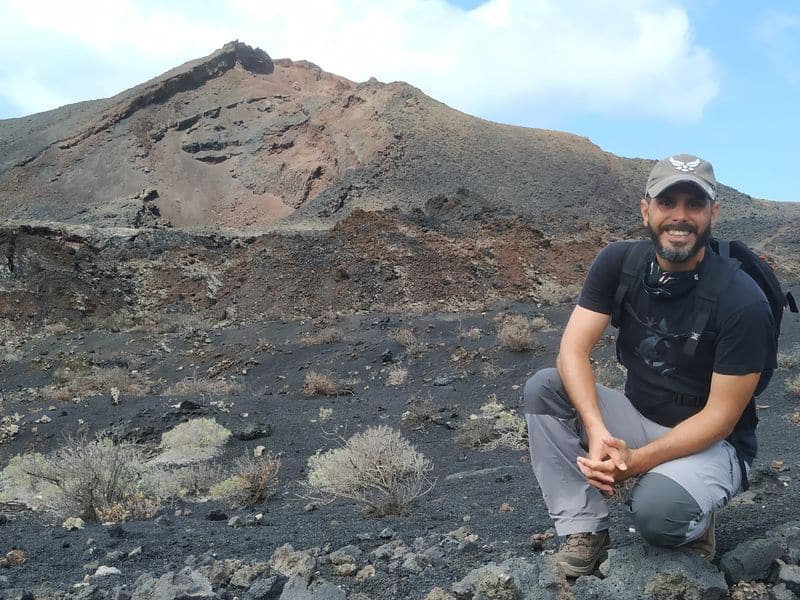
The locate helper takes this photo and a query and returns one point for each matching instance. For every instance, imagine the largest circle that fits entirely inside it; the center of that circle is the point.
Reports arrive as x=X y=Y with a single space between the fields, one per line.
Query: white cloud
x=630 y=57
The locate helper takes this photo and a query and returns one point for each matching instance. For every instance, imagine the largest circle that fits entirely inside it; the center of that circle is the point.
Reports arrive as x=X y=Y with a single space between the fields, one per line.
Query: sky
x=639 y=78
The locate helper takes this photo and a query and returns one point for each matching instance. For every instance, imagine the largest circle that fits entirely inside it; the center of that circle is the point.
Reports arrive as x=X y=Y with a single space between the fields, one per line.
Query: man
x=685 y=427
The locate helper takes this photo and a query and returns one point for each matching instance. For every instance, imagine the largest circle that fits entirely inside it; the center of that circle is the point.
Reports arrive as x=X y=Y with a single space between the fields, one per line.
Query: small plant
x=495 y=427
x=323 y=384
x=477 y=432
x=97 y=381
x=136 y=507
x=396 y=376
x=473 y=333
x=203 y=387
x=194 y=441
x=539 y=323
x=793 y=386
x=789 y=360
x=420 y=411
x=264 y=345
x=515 y=333
x=610 y=374
x=90 y=476
x=329 y=335
x=378 y=468
x=197 y=479
x=794 y=418
x=254 y=480
x=406 y=338
x=188 y=325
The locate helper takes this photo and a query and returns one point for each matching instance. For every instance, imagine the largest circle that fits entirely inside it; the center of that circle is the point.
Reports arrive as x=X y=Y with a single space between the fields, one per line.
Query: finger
x=594 y=474
x=603 y=487
x=617 y=451
x=605 y=466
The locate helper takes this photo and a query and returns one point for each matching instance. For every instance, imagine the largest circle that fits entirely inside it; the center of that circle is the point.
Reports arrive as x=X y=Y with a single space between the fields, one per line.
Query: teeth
x=677 y=232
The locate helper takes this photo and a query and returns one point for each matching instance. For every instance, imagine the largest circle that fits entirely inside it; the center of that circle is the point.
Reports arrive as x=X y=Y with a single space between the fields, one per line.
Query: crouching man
x=685 y=426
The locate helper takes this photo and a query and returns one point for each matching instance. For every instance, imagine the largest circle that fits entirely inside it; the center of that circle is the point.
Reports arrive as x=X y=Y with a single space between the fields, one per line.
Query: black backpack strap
x=724 y=248
x=632 y=267
x=712 y=285
x=790 y=302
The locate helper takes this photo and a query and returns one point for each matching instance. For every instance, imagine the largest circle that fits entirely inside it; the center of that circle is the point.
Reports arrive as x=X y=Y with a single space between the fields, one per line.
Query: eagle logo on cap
x=684 y=167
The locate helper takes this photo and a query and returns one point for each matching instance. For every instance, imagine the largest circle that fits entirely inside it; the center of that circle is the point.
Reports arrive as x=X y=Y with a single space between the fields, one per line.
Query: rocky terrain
x=215 y=281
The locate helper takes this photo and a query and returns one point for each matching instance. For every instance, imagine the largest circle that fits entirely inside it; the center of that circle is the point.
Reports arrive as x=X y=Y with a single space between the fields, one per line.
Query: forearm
x=691 y=436
x=578 y=379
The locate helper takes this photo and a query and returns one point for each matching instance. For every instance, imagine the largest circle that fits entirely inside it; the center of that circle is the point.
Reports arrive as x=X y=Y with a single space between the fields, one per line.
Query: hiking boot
x=706 y=544
x=582 y=552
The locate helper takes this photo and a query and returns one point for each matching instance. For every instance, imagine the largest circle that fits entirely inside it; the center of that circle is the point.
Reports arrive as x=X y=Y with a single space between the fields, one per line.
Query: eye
x=665 y=201
x=697 y=203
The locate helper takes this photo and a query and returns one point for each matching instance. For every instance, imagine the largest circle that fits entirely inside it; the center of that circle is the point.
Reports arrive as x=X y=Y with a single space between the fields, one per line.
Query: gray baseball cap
x=682 y=168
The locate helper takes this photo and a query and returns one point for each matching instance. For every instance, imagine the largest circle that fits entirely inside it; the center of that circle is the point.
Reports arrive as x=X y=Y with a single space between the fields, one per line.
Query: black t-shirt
x=663 y=383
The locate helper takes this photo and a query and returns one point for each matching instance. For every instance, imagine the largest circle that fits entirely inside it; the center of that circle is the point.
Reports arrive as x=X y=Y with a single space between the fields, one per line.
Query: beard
x=679 y=254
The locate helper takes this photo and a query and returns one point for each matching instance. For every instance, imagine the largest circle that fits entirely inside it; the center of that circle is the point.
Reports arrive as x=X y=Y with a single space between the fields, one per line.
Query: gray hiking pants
x=670 y=505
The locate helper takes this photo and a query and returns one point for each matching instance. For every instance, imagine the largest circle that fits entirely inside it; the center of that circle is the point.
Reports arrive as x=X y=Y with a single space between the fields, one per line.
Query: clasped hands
x=608 y=464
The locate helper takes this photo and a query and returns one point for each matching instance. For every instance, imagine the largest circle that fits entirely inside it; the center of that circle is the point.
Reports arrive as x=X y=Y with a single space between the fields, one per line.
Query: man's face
x=679 y=220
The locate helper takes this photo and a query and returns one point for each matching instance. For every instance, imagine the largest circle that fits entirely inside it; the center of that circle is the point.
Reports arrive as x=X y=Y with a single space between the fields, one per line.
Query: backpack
x=711 y=286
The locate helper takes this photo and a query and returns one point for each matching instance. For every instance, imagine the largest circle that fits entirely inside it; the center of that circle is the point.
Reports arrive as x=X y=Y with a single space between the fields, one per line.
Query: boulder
x=187 y=584
x=265 y=588
x=288 y=562
x=514 y=579
x=789 y=575
x=641 y=570
x=751 y=560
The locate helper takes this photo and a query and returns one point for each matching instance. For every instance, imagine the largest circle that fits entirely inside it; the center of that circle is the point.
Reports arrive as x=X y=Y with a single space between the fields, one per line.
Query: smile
x=677 y=232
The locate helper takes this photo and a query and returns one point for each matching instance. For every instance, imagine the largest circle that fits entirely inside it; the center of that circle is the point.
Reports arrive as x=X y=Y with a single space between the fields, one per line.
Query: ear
x=644 y=206
x=714 y=213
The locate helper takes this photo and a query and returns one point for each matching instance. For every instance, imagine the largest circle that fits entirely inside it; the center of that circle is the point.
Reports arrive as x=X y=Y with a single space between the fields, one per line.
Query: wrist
x=637 y=462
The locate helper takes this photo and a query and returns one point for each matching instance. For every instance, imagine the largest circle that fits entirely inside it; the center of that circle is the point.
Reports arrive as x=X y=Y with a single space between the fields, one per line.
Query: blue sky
x=640 y=78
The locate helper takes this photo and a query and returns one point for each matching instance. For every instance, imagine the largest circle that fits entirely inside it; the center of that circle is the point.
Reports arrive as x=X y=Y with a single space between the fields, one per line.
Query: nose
x=679 y=212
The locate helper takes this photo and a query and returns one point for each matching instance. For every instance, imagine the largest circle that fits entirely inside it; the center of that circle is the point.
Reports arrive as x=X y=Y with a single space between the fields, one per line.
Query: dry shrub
x=794 y=418
x=490 y=370
x=476 y=433
x=264 y=345
x=610 y=373
x=97 y=381
x=495 y=427
x=420 y=411
x=793 y=386
x=136 y=507
x=192 y=386
x=189 y=325
x=539 y=323
x=515 y=333
x=57 y=328
x=329 y=335
x=396 y=375
x=254 y=480
x=90 y=476
x=622 y=491
x=473 y=333
x=194 y=441
x=17 y=485
x=9 y=427
x=323 y=384
x=790 y=359
x=406 y=338
x=197 y=479
x=12 y=356
x=377 y=468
